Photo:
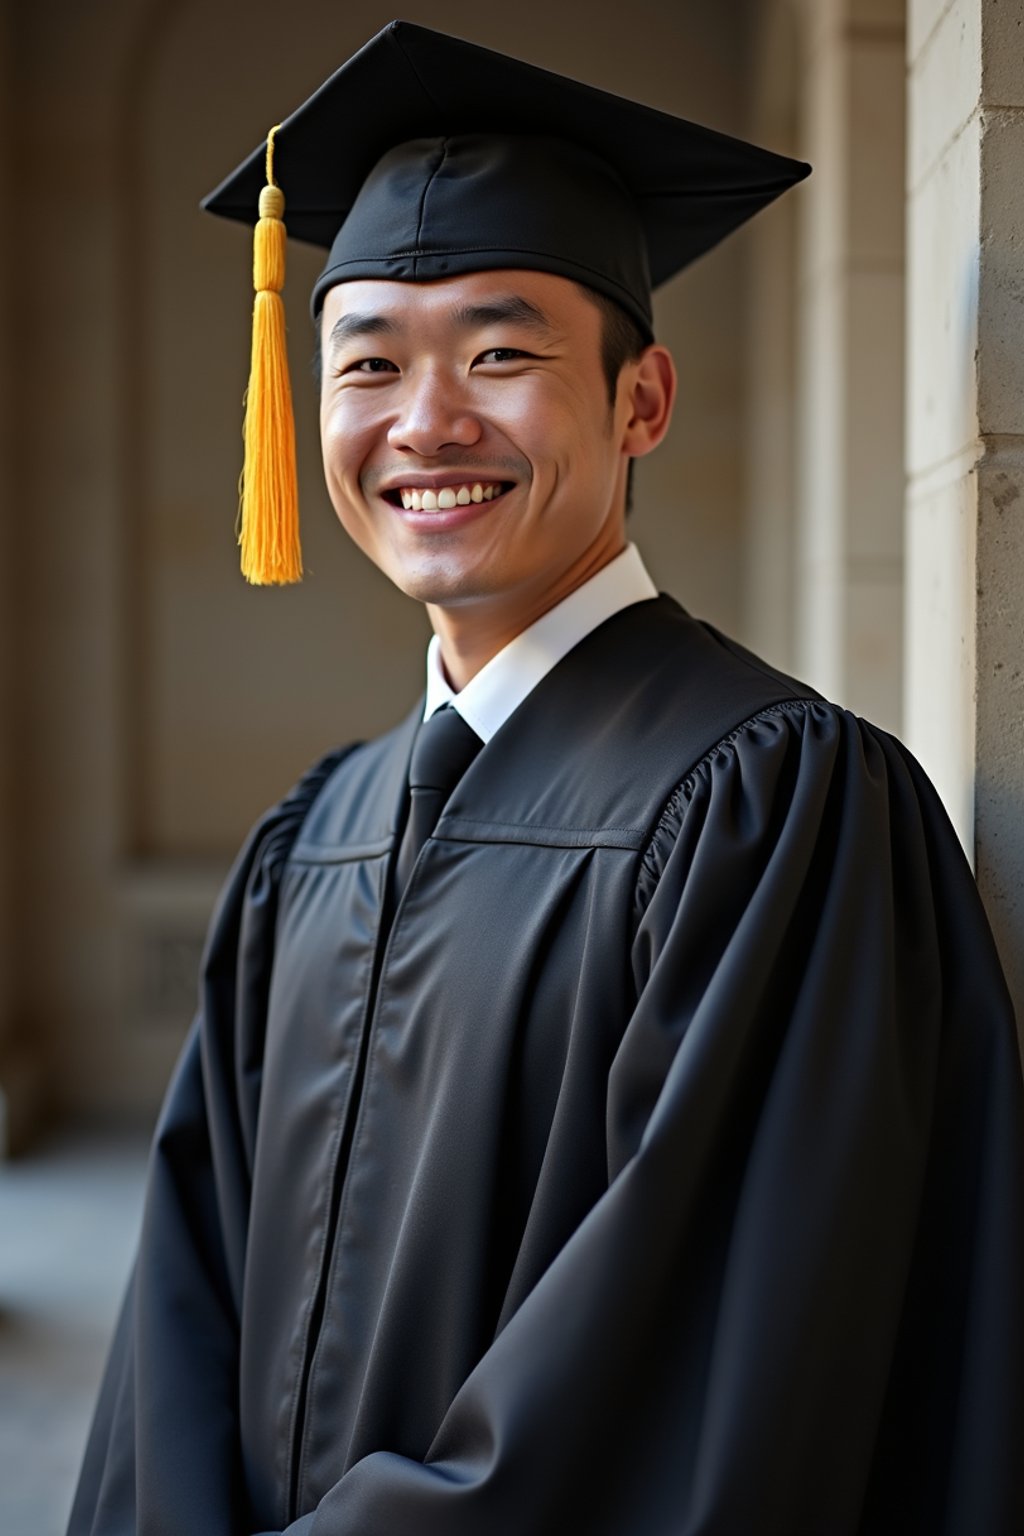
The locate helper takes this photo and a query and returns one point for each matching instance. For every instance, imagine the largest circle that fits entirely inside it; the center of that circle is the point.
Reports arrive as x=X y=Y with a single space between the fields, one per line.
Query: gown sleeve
x=796 y=1309
x=162 y=1453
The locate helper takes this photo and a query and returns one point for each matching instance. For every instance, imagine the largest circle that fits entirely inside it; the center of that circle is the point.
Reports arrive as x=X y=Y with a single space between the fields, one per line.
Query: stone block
x=938 y=712
x=945 y=83
x=942 y=305
x=922 y=18
x=1001 y=277
x=999 y=798
x=1002 y=53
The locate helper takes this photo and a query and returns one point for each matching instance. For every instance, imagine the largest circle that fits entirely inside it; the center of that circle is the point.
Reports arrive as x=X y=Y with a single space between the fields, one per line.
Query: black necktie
x=444 y=748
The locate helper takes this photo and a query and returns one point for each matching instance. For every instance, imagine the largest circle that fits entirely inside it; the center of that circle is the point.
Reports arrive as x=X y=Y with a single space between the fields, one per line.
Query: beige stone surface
x=769 y=484
x=965 y=597
x=22 y=1080
x=945 y=78
x=999 y=831
x=963 y=54
x=8 y=623
x=939 y=709
x=1000 y=365
x=923 y=18
x=69 y=631
x=825 y=142
x=770 y=350
x=942 y=304
x=850 y=361
x=1002 y=79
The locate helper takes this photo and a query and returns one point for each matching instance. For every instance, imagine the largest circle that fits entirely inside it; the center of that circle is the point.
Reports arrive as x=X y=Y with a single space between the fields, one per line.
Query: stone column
x=19 y=1077
x=769 y=495
x=848 y=588
x=965 y=448
x=6 y=591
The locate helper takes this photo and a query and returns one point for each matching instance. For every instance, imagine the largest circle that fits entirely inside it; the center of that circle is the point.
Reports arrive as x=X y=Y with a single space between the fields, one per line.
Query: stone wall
x=965 y=446
x=7 y=621
x=21 y=1086
x=770 y=449
x=849 y=479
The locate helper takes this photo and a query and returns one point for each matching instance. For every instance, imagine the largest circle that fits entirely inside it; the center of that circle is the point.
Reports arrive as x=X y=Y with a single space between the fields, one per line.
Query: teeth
x=416 y=500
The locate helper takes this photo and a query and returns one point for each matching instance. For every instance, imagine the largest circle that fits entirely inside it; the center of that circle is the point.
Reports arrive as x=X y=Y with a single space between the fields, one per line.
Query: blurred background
x=841 y=491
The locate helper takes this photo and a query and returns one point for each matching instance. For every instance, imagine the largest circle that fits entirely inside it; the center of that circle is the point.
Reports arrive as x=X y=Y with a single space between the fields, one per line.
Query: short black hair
x=622 y=340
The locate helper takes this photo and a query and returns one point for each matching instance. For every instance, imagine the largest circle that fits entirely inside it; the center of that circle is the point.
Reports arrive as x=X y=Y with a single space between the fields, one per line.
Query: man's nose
x=434 y=415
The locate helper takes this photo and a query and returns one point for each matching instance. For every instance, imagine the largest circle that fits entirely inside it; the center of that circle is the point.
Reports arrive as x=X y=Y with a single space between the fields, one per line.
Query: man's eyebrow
x=353 y=325
x=500 y=310
x=507 y=307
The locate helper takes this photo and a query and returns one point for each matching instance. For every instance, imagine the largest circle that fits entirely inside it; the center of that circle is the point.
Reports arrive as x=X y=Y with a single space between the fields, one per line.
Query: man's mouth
x=433 y=498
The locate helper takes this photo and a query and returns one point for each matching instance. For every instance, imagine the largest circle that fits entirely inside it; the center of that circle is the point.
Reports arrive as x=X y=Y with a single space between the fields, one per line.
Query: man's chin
x=444 y=584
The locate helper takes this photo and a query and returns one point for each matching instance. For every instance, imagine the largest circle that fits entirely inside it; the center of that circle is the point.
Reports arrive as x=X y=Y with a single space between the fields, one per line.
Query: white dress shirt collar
x=501 y=686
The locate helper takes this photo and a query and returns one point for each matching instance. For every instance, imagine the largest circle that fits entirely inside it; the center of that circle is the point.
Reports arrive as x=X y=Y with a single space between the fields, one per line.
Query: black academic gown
x=658 y=1173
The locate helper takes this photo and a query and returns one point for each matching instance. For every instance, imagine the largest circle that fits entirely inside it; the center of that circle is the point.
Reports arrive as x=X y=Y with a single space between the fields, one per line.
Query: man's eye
x=502 y=354
x=371 y=365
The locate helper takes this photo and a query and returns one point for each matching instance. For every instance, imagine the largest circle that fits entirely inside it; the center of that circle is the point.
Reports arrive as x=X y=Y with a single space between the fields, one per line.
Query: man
x=604 y=1111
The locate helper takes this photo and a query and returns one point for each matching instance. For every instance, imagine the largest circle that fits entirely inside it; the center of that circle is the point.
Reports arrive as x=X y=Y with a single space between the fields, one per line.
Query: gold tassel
x=268 y=530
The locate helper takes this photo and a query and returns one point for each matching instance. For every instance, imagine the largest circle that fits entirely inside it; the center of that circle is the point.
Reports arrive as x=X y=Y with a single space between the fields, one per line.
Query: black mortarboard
x=425 y=156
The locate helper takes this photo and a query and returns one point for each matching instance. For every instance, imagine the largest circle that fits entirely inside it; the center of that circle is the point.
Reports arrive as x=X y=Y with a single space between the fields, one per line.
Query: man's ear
x=651 y=392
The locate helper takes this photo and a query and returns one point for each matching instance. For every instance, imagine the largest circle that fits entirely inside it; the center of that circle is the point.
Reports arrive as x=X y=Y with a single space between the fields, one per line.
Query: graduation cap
x=425 y=156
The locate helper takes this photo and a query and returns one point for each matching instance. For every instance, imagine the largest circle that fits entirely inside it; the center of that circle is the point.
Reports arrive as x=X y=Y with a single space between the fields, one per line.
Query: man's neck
x=471 y=634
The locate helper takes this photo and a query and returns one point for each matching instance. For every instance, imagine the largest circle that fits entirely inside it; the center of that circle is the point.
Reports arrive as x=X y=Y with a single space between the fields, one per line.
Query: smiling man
x=603 y=1115
x=478 y=460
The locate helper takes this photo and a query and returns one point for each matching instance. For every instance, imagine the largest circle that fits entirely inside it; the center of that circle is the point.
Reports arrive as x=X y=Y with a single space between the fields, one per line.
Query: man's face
x=468 y=444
